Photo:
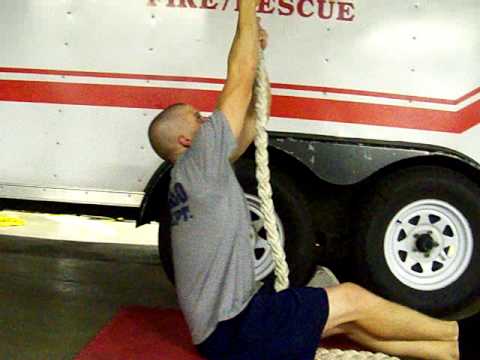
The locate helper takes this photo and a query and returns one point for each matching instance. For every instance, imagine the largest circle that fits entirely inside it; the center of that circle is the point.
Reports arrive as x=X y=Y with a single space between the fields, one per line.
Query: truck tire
x=417 y=240
x=295 y=228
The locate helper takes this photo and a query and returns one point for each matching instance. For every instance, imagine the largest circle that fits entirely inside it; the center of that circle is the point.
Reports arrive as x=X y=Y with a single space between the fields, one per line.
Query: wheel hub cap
x=425 y=243
x=428 y=245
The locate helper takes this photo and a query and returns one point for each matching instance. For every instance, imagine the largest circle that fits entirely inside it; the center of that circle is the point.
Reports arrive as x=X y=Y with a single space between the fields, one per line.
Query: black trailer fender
x=348 y=161
x=360 y=158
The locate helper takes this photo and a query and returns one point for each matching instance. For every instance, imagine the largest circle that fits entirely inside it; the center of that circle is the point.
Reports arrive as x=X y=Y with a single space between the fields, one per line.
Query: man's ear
x=184 y=141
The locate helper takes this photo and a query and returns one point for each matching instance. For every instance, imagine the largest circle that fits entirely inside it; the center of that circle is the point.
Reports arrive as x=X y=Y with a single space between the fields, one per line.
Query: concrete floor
x=55 y=296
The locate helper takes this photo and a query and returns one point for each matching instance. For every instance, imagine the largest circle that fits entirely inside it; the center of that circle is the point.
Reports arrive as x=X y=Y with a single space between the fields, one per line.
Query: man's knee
x=342 y=303
x=348 y=301
x=364 y=299
x=353 y=294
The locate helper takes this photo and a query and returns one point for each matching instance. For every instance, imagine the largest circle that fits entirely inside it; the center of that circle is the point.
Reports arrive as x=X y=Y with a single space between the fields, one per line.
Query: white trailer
x=375 y=116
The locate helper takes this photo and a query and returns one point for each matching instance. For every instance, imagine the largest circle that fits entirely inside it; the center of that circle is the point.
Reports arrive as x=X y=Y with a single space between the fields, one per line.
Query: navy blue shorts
x=276 y=326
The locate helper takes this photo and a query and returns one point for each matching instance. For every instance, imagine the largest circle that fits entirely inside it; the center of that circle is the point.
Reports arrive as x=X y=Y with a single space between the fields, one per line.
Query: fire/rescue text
x=321 y=9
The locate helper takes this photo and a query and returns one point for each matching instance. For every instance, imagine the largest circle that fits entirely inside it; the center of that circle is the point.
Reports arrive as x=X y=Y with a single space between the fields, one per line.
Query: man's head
x=172 y=131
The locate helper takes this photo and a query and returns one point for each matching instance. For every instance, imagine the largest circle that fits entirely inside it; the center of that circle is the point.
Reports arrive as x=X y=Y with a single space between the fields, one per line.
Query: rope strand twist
x=263 y=176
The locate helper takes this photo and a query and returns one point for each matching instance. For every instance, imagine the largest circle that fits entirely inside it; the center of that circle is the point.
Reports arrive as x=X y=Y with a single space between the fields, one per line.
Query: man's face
x=192 y=121
x=195 y=119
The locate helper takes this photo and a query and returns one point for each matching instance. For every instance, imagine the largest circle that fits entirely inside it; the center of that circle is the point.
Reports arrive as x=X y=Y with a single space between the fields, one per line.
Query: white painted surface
x=391 y=49
x=80 y=229
x=375 y=51
x=82 y=147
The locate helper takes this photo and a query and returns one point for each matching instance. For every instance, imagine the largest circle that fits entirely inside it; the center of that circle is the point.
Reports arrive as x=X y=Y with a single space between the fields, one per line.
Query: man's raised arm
x=249 y=130
x=242 y=65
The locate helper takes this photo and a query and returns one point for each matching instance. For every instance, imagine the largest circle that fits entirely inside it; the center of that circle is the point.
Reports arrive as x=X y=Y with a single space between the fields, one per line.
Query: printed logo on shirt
x=178 y=204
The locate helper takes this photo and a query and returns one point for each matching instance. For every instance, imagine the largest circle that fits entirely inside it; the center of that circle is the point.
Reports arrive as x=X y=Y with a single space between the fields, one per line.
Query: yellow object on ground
x=11 y=221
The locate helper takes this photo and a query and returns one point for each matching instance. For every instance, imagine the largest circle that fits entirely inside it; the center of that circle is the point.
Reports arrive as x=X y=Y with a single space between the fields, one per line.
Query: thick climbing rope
x=268 y=210
x=263 y=175
x=336 y=354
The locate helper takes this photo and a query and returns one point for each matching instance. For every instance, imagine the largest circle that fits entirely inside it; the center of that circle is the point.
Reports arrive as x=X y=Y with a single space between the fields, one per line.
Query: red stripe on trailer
x=205 y=80
x=205 y=100
x=107 y=75
x=468 y=95
x=329 y=90
x=104 y=95
x=376 y=114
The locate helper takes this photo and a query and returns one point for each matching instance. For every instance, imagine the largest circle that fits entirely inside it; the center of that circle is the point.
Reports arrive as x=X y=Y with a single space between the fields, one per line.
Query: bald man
x=230 y=315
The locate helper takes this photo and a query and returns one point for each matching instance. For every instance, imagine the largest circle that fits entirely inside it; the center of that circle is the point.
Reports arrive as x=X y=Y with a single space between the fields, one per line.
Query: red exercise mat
x=142 y=333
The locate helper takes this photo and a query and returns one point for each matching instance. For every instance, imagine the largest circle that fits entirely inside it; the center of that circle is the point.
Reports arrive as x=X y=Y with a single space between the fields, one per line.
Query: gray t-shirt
x=213 y=253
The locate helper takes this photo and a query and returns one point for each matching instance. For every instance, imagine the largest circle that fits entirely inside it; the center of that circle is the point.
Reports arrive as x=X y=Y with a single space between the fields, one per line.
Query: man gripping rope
x=229 y=314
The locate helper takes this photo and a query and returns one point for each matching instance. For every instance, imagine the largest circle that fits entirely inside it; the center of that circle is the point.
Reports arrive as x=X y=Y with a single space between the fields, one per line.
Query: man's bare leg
x=383 y=318
x=422 y=349
x=386 y=322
